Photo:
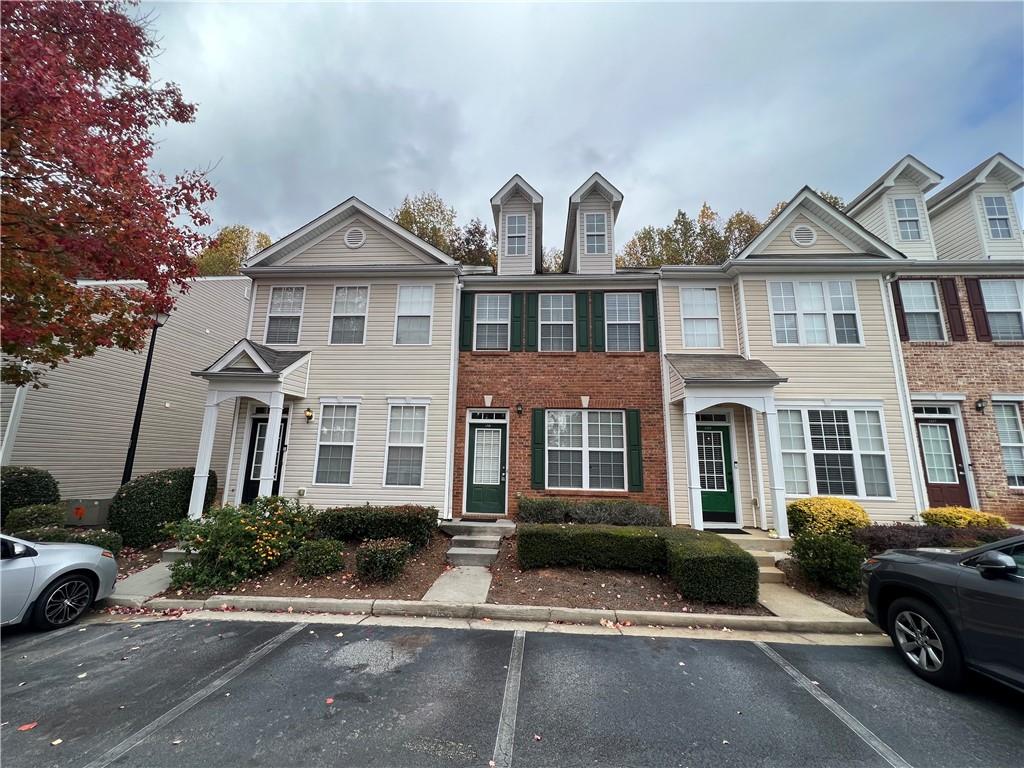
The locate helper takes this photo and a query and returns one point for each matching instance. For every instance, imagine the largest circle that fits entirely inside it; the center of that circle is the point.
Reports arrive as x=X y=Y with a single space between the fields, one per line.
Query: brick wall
x=974 y=369
x=550 y=380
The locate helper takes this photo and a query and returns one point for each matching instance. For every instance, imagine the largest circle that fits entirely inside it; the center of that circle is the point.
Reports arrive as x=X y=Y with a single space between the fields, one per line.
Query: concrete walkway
x=462 y=584
x=787 y=603
x=140 y=587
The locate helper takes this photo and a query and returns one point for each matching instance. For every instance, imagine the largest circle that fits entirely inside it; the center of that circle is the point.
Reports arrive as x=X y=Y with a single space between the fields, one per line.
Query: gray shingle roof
x=722 y=369
x=275 y=358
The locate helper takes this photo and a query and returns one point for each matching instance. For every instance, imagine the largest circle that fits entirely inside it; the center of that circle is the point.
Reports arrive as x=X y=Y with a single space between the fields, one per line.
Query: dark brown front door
x=945 y=475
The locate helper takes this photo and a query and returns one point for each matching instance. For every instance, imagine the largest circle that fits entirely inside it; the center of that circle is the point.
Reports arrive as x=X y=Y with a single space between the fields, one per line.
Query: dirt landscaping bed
x=841 y=601
x=131 y=560
x=575 y=588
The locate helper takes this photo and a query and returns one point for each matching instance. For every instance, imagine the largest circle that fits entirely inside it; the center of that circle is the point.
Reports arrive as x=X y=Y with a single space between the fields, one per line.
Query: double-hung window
x=348 y=316
x=491 y=321
x=834 y=452
x=922 y=311
x=515 y=234
x=284 y=315
x=998 y=215
x=557 y=322
x=814 y=312
x=586 y=449
x=415 y=309
x=407 y=428
x=701 y=319
x=1004 y=307
x=907 y=218
x=595 y=229
x=622 y=322
x=1011 y=439
x=336 y=444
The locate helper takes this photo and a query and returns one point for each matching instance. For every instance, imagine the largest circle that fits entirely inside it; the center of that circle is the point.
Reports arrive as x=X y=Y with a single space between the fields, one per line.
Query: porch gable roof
x=269 y=362
x=706 y=369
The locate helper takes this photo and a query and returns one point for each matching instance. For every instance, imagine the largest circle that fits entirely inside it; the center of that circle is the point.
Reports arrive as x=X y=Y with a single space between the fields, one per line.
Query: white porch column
x=775 y=471
x=693 y=470
x=270 y=443
x=195 y=503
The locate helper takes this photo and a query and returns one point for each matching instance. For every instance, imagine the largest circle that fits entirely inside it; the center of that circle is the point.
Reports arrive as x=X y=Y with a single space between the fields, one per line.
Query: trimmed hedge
x=22 y=486
x=412 y=523
x=878 y=538
x=98 y=537
x=35 y=516
x=382 y=559
x=141 y=508
x=830 y=559
x=319 y=558
x=961 y=517
x=702 y=565
x=592 y=512
x=825 y=515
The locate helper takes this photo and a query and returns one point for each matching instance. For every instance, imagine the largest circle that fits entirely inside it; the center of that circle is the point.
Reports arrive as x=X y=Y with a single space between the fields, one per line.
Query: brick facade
x=558 y=380
x=975 y=369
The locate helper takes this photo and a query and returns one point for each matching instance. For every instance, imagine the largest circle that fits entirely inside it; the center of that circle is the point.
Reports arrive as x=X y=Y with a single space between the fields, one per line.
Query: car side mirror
x=993 y=564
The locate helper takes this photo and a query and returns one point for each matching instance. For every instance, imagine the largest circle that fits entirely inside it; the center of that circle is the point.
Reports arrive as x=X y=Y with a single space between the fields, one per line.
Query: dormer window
x=998 y=217
x=515 y=234
x=596 y=231
x=908 y=219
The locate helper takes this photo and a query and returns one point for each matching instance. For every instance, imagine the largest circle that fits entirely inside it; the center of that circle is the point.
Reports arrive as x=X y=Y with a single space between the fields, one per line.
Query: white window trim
x=683 y=316
x=1019 y=409
x=1018 y=284
x=365 y=316
x=988 y=218
x=603 y=233
x=585 y=449
x=340 y=401
x=541 y=323
x=525 y=235
x=899 y=218
x=476 y=308
x=829 y=312
x=640 y=298
x=808 y=451
x=941 y=311
x=430 y=326
x=395 y=403
x=266 y=320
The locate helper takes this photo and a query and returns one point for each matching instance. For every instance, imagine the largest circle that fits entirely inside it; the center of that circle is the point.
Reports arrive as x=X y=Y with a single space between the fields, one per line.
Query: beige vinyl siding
x=295 y=382
x=874 y=220
x=516 y=265
x=598 y=264
x=1011 y=248
x=782 y=242
x=675 y=384
x=379 y=248
x=914 y=249
x=672 y=293
x=955 y=230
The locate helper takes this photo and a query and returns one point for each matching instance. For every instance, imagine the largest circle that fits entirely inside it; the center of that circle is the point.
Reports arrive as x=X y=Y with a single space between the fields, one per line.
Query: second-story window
x=907 y=218
x=701 y=321
x=622 y=322
x=557 y=326
x=348 y=316
x=998 y=215
x=284 y=315
x=596 y=232
x=1004 y=307
x=415 y=309
x=515 y=234
x=819 y=313
x=491 y=321
x=921 y=308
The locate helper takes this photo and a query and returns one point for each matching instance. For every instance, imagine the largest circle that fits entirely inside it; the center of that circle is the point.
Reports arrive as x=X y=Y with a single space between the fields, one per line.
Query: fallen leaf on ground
x=536 y=737
x=176 y=741
x=330 y=700
x=84 y=674
x=27 y=726
x=340 y=634
x=55 y=742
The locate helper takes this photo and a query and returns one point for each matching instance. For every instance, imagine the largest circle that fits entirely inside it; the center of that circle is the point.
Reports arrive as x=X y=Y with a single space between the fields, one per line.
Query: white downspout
x=11 y=430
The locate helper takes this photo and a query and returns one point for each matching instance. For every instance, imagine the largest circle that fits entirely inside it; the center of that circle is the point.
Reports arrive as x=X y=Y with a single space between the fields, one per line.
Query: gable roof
x=518 y=184
x=999 y=164
x=723 y=369
x=323 y=224
x=815 y=207
x=269 y=362
x=608 y=190
x=926 y=178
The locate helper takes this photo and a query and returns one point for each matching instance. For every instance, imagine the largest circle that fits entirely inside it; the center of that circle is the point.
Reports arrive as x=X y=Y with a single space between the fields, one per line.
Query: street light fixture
x=158 y=320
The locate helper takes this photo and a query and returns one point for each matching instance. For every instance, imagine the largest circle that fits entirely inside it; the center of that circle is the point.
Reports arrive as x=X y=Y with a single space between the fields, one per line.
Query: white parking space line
x=866 y=734
x=510 y=704
x=251 y=658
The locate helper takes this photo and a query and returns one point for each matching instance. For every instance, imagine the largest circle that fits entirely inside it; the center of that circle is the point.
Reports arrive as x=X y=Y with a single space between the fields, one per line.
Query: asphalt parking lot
x=237 y=693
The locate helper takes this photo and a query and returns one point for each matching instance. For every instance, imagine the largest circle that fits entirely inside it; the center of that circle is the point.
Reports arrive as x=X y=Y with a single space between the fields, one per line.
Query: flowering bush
x=825 y=515
x=961 y=517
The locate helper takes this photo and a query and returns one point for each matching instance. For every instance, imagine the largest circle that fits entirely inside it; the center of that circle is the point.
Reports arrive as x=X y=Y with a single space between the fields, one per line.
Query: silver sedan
x=51 y=585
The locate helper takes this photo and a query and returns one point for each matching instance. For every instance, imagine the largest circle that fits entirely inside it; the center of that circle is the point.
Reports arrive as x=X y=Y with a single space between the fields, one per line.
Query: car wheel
x=63 y=601
x=926 y=643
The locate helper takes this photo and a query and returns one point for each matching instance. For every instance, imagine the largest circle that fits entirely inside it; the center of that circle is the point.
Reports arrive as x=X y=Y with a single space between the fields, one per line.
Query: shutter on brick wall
x=515 y=342
x=977 y=304
x=597 y=321
x=634 y=453
x=955 y=316
x=532 y=299
x=537 y=442
x=582 y=322
x=650 y=307
x=901 y=316
x=466 y=325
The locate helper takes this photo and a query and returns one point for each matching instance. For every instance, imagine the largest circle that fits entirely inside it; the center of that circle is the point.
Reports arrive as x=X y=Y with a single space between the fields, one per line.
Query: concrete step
x=769 y=574
x=472 y=556
x=758 y=543
x=763 y=558
x=466 y=528
x=485 y=542
x=172 y=555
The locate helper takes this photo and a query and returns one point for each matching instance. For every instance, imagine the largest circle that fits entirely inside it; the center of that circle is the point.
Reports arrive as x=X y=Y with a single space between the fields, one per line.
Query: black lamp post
x=158 y=320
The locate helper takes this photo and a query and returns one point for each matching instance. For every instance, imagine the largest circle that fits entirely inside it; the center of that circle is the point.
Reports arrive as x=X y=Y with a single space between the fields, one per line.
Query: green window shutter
x=532 y=300
x=516 y=341
x=650 y=307
x=537 y=463
x=597 y=321
x=466 y=327
x=634 y=452
x=582 y=322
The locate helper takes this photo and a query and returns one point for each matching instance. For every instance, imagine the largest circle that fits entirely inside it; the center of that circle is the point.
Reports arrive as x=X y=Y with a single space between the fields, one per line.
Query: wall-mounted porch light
x=979 y=405
x=308 y=413
x=519 y=409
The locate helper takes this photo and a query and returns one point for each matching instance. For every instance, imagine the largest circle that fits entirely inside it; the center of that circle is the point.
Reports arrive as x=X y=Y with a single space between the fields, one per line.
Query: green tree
x=834 y=200
x=553 y=259
x=474 y=245
x=740 y=229
x=230 y=247
x=430 y=218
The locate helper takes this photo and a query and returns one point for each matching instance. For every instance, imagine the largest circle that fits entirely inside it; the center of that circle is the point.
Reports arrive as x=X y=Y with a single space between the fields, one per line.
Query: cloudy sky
x=301 y=106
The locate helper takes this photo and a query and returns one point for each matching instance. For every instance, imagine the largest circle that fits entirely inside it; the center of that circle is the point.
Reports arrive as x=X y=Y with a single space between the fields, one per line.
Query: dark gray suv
x=950 y=611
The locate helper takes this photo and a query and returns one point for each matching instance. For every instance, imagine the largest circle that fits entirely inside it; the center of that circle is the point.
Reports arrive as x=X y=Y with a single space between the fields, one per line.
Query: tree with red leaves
x=79 y=200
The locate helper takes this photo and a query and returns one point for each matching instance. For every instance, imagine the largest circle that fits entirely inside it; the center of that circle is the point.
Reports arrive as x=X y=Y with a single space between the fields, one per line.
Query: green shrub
x=879 y=538
x=412 y=523
x=382 y=559
x=98 y=537
x=961 y=517
x=825 y=514
x=830 y=559
x=712 y=569
x=319 y=557
x=22 y=486
x=142 y=507
x=35 y=516
x=591 y=512
x=230 y=545
x=543 y=510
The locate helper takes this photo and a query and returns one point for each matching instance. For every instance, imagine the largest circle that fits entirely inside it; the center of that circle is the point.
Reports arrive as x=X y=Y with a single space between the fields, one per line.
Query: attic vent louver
x=803 y=236
x=354 y=237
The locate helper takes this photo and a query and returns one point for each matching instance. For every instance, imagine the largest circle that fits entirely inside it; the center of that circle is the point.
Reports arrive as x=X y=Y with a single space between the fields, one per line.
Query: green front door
x=485 y=484
x=714 y=455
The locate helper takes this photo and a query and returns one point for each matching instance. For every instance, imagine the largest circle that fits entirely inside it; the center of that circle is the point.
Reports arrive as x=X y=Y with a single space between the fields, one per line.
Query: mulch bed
x=131 y=560
x=841 y=601
x=575 y=588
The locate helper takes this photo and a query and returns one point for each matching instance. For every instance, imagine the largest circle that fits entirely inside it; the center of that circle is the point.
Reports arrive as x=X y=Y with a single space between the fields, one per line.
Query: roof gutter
x=389 y=270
